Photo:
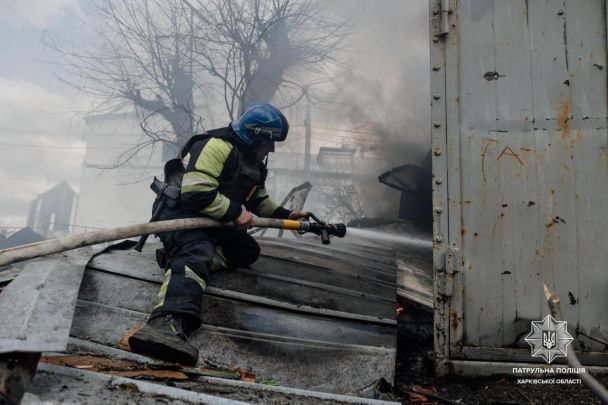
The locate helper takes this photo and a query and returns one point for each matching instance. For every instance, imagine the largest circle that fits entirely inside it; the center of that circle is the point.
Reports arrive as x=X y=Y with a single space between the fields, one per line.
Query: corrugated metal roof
x=308 y=316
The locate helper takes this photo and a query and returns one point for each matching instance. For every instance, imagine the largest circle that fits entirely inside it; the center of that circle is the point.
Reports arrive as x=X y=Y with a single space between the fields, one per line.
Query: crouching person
x=219 y=174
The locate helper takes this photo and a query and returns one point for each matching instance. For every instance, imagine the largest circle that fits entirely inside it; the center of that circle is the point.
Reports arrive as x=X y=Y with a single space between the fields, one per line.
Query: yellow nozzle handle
x=290 y=224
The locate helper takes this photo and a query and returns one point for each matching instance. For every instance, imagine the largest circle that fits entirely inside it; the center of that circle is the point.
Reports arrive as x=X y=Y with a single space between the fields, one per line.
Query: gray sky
x=42 y=120
x=38 y=142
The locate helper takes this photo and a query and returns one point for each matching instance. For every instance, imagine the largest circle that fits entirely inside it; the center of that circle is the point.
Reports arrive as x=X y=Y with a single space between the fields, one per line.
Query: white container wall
x=520 y=166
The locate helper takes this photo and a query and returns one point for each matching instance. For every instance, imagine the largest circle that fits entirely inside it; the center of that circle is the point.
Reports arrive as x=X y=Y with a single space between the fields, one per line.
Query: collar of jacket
x=227 y=134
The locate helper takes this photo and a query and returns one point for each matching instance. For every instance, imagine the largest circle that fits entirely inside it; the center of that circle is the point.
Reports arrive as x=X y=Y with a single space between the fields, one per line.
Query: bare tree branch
x=159 y=56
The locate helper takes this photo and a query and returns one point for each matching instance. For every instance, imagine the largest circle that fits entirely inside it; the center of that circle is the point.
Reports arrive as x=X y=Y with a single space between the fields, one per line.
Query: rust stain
x=123 y=368
x=467 y=201
x=463 y=231
x=555 y=220
x=577 y=137
x=499 y=221
x=508 y=151
x=454 y=320
x=604 y=153
x=124 y=342
x=151 y=374
x=486 y=144
x=563 y=116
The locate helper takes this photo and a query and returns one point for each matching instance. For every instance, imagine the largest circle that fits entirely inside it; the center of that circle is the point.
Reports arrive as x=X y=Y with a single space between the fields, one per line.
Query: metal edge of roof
x=415 y=298
x=116 y=382
x=196 y=397
x=8 y=275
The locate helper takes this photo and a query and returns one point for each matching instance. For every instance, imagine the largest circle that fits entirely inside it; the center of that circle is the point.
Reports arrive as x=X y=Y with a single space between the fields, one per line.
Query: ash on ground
x=415 y=370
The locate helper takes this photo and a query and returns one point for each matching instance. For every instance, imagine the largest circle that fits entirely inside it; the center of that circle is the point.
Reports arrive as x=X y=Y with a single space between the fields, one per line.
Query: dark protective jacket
x=218 y=175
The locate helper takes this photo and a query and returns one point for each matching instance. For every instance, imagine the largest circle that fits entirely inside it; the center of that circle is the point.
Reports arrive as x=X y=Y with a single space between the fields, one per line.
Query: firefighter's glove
x=295 y=214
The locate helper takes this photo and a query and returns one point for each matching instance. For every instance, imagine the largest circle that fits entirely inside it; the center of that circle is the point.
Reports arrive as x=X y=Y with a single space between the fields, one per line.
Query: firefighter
x=219 y=174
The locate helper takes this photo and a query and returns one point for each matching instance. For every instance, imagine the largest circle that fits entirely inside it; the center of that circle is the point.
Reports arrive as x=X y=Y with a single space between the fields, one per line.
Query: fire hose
x=48 y=247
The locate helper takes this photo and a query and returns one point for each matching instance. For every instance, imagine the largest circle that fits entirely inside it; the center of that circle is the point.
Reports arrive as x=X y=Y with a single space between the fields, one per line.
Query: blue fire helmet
x=261 y=122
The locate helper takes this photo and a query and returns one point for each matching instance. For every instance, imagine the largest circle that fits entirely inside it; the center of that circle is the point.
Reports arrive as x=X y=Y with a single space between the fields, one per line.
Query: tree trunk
x=269 y=74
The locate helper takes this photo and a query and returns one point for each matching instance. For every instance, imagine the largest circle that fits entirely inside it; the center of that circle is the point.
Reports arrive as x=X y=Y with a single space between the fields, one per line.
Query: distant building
x=344 y=182
x=120 y=196
x=51 y=213
x=340 y=160
x=23 y=236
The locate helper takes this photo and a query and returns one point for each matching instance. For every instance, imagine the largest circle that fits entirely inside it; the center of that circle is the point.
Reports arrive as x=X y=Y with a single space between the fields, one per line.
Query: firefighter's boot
x=163 y=338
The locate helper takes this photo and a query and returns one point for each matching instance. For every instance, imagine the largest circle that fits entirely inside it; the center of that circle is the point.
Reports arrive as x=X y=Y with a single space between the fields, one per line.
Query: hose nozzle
x=323 y=229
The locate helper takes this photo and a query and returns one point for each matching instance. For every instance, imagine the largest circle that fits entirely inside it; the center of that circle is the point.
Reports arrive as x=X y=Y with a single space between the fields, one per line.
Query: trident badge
x=549 y=339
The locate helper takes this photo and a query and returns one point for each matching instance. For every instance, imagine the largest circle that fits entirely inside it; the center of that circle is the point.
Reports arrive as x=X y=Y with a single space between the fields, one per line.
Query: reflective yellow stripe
x=261 y=193
x=218 y=207
x=191 y=274
x=266 y=208
x=186 y=160
x=202 y=181
x=196 y=188
x=163 y=289
x=212 y=157
x=219 y=260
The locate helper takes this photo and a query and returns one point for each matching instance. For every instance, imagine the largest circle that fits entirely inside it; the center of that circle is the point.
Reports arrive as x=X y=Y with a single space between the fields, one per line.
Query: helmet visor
x=266 y=134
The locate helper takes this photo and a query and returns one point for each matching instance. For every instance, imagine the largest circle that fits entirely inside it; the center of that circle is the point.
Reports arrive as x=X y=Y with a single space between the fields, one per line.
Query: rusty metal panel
x=589 y=148
x=479 y=176
x=521 y=112
x=516 y=167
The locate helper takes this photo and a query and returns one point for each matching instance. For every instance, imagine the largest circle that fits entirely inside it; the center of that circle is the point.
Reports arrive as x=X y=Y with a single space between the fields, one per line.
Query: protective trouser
x=193 y=255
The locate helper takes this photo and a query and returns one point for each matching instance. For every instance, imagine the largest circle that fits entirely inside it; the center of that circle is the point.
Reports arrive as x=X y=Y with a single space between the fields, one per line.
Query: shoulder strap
x=195 y=138
x=222 y=133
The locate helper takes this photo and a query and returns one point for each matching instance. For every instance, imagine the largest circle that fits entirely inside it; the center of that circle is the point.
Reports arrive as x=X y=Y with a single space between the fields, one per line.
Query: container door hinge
x=445 y=21
x=454 y=264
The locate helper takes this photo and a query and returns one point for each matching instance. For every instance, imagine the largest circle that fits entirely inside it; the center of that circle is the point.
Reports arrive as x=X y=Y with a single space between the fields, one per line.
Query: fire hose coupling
x=321 y=228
